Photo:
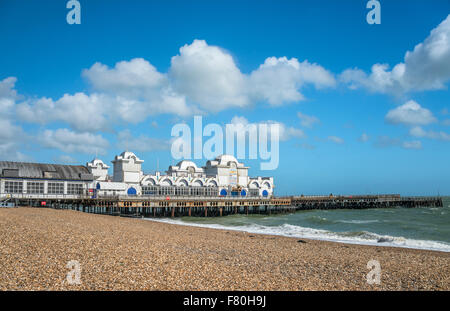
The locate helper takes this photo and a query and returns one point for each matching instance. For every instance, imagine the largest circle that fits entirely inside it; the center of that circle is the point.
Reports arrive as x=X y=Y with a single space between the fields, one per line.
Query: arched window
x=131 y=191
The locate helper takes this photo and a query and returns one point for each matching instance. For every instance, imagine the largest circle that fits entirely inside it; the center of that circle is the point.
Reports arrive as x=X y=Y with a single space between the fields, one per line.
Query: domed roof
x=183 y=165
x=225 y=158
x=96 y=163
x=127 y=155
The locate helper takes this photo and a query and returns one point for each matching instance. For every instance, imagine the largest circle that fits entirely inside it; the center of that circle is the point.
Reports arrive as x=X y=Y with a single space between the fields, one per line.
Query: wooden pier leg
x=220 y=211
x=189 y=212
x=246 y=210
x=173 y=212
x=206 y=212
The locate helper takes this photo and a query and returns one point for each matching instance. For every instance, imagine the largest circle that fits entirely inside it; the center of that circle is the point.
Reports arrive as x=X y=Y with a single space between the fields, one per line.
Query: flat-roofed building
x=21 y=179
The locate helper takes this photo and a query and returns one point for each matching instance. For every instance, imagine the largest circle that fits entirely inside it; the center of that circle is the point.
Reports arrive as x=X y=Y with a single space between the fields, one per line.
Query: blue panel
x=98 y=186
x=223 y=192
x=243 y=193
x=265 y=193
x=131 y=191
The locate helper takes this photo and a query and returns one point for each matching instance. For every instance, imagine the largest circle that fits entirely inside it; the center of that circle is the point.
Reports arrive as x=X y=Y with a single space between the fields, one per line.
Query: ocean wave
x=354 y=221
x=319 y=220
x=351 y=237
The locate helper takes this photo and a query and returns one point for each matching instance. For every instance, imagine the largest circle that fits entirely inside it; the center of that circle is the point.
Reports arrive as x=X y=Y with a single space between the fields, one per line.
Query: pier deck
x=141 y=206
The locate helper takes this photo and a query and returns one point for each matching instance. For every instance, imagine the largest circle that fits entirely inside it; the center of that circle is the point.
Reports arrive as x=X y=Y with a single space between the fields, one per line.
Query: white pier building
x=224 y=176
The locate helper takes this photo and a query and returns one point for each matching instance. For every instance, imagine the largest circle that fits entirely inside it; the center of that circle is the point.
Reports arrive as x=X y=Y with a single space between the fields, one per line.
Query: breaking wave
x=352 y=237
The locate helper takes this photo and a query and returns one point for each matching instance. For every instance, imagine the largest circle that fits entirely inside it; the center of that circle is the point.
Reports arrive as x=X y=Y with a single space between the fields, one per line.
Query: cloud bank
x=426 y=67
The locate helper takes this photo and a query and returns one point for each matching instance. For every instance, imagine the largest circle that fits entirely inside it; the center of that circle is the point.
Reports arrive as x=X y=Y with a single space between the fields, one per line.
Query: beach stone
x=118 y=253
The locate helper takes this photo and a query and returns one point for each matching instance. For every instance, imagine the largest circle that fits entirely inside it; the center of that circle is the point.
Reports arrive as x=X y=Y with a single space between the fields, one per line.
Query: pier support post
x=189 y=212
x=173 y=212
x=206 y=212
x=220 y=211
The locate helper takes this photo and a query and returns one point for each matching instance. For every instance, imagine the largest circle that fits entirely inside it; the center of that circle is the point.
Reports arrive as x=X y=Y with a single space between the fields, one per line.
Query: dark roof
x=41 y=170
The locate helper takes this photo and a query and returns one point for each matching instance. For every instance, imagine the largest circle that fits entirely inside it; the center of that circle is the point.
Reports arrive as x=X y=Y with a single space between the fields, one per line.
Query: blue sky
x=269 y=61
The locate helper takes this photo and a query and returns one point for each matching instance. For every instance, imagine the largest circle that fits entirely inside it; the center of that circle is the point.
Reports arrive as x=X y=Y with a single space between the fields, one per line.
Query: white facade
x=223 y=176
x=98 y=169
x=127 y=168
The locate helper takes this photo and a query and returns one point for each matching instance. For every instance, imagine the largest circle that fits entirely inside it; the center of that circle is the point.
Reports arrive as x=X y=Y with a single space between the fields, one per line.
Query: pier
x=140 y=206
x=363 y=202
x=161 y=206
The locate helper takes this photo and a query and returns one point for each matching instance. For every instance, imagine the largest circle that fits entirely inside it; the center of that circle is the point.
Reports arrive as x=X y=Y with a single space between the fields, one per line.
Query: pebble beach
x=117 y=253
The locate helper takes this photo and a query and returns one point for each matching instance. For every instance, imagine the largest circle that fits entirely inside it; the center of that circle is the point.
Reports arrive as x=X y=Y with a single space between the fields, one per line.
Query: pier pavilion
x=224 y=176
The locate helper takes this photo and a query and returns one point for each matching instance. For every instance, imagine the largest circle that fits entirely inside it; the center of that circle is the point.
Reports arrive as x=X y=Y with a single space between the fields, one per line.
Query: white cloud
x=208 y=76
x=417 y=131
x=82 y=112
x=136 y=76
x=307 y=146
x=307 y=121
x=284 y=132
x=278 y=80
x=135 y=90
x=289 y=132
x=410 y=113
x=363 y=138
x=201 y=78
x=9 y=131
x=239 y=120
x=416 y=144
x=126 y=140
x=8 y=95
x=12 y=136
x=427 y=67
x=71 y=142
x=386 y=142
x=335 y=139
x=129 y=92
x=66 y=159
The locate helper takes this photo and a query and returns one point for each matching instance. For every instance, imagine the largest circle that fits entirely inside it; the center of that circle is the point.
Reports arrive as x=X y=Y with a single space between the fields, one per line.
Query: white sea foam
x=357 y=221
x=362 y=237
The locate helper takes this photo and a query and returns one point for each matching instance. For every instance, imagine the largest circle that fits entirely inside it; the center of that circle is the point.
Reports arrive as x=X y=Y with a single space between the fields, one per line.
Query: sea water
x=420 y=228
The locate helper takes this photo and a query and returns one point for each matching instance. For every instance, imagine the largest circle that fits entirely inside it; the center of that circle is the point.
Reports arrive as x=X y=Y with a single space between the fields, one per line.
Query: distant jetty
x=363 y=201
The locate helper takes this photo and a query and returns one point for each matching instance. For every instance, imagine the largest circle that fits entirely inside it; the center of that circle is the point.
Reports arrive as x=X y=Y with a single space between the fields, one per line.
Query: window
x=13 y=186
x=253 y=192
x=35 y=187
x=74 y=188
x=150 y=190
x=55 y=188
x=212 y=191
